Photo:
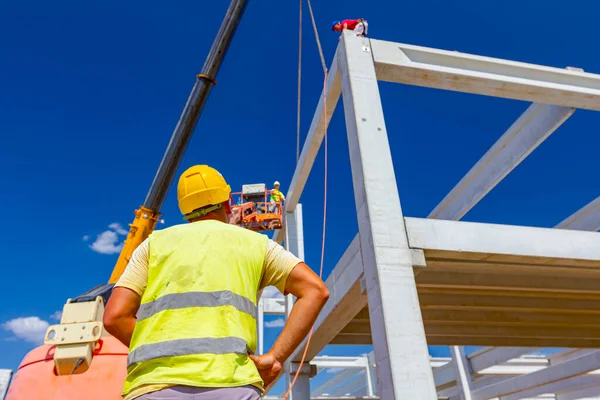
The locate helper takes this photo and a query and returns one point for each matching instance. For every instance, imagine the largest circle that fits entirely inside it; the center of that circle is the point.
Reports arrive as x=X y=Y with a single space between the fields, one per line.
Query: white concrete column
x=301 y=389
x=294 y=232
x=370 y=375
x=260 y=326
x=294 y=242
x=463 y=372
x=399 y=342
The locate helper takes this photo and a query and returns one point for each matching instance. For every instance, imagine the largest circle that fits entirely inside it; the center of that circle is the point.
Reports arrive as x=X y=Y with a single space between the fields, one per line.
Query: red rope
x=324 y=65
x=324 y=229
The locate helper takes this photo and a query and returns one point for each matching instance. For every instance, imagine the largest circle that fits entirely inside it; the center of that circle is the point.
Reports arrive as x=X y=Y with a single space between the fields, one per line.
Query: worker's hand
x=268 y=367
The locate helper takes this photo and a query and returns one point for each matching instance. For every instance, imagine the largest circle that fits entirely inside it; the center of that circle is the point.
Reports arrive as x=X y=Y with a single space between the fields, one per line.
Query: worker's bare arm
x=312 y=294
x=120 y=314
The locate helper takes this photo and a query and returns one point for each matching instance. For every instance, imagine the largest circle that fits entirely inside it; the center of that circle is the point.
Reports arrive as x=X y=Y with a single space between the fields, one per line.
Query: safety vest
x=197 y=320
x=275 y=195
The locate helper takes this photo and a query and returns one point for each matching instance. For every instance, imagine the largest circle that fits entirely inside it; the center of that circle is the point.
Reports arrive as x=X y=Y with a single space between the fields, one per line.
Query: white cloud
x=334 y=370
x=31 y=329
x=276 y=323
x=56 y=316
x=86 y=238
x=115 y=226
x=271 y=291
x=107 y=243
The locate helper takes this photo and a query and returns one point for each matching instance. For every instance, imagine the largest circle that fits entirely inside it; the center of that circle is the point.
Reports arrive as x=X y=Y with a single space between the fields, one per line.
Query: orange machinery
x=252 y=210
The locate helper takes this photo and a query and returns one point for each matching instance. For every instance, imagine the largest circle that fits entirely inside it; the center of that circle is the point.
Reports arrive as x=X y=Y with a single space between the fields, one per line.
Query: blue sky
x=90 y=93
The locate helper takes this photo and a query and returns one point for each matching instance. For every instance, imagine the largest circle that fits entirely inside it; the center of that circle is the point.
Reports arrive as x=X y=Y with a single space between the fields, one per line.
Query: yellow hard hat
x=200 y=186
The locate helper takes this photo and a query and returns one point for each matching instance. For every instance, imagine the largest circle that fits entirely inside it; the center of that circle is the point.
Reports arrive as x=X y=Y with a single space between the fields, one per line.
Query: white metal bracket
x=85 y=332
x=76 y=336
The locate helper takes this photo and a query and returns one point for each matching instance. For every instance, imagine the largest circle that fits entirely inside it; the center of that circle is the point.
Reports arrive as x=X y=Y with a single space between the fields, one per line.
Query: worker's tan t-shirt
x=277 y=267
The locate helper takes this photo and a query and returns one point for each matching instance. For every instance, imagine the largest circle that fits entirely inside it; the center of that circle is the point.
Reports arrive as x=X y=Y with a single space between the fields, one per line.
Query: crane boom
x=147 y=215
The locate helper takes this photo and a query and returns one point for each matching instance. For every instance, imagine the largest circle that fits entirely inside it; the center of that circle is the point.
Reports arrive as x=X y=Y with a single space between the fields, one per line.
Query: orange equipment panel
x=36 y=380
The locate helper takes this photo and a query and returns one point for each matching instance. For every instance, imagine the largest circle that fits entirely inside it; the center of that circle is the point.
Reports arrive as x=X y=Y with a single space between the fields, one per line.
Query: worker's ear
x=227 y=208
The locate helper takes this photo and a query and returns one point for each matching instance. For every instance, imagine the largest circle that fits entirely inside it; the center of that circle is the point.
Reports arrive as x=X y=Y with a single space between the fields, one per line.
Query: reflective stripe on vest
x=197 y=299
x=196 y=323
x=183 y=347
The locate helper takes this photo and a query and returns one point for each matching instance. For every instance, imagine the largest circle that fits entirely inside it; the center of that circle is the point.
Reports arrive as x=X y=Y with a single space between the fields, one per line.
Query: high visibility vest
x=275 y=195
x=197 y=320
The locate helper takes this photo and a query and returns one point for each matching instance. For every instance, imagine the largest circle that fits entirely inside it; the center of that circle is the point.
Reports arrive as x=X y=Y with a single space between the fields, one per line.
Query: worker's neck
x=210 y=216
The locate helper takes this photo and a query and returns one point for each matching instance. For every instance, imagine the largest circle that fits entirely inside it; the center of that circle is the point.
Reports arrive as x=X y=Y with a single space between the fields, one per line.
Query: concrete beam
x=568 y=355
x=487 y=357
x=490 y=361
x=518 y=366
x=504 y=241
x=451 y=393
x=536 y=124
x=462 y=370
x=346 y=300
x=444 y=376
x=516 y=386
x=339 y=362
x=273 y=305
x=397 y=327
x=455 y=71
x=581 y=391
x=566 y=385
x=335 y=381
x=350 y=387
x=313 y=141
x=586 y=219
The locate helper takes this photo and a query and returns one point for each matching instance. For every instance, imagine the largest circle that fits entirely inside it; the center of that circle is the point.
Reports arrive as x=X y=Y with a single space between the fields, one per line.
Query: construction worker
x=359 y=26
x=276 y=196
x=194 y=289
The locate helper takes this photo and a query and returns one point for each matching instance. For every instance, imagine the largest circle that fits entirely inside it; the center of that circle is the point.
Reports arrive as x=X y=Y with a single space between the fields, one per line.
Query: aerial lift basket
x=252 y=209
